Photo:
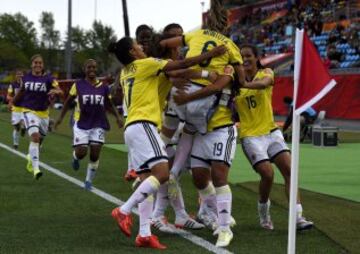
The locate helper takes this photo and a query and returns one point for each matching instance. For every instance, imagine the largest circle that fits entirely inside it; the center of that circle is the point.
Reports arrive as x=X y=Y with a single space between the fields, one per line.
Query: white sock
x=34 y=154
x=74 y=155
x=166 y=139
x=178 y=204
x=183 y=150
x=162 y=201
x=264 y=211
x=208 y=196
x=223 y=201
x=148 y=187
x=16 y=135
x=170 y=150
x=145 y=211
x=299 y=211
x=91 y=170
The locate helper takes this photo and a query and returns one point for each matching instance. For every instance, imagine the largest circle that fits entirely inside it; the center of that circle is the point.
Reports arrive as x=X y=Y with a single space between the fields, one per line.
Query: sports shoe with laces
x=303 y=224
x=37 y=173
x=225 y=235
x=149 y=242
x=29 y=166
x=130 y=175
x=264 y=215
x=124 y=221
x=208 y=218
x=161 y=224
x=188 y=222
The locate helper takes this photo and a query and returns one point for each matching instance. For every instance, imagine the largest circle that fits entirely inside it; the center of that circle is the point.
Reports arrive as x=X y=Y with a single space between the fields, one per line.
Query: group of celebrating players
x=182 y=89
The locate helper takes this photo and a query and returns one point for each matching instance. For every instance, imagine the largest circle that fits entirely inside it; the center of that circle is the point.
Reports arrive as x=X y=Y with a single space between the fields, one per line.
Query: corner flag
x=311 y=82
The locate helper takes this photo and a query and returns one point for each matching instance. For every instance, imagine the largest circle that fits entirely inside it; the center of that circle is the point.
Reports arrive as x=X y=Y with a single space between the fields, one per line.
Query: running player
x=92 y=97
x=261 y=140
x=33 y=98
x=140 y=82
x=16 y=119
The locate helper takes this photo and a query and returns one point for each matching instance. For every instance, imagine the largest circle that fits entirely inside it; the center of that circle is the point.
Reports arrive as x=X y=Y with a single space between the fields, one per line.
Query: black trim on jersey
x=201 y=159
x=158 y=72
x=223 y=126
x=33 y=126
x=145 y=165
x=225 y=162
x=140 y=121
x=282 y=151
x=153 y=141
x=170 y=115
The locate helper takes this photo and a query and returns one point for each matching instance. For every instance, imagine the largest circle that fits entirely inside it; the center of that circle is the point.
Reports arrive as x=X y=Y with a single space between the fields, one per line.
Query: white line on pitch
x=183 y=233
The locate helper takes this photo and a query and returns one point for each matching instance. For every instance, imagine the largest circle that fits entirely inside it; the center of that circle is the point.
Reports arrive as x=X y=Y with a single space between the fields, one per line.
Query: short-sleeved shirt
x=140 y=82
x=254 y=107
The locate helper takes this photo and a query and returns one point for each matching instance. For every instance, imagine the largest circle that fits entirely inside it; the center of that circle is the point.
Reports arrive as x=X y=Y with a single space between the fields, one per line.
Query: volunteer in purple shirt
x=36 y=89
x=92 y=98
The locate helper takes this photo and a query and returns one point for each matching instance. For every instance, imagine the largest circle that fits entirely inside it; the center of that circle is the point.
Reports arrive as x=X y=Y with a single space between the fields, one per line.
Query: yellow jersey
x=140 y=83
x=255 y=109
x=203 y=40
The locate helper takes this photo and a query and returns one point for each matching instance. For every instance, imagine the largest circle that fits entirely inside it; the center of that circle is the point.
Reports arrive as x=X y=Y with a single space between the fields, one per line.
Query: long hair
x=217 y=17
x=255 y=51
x=121 y=49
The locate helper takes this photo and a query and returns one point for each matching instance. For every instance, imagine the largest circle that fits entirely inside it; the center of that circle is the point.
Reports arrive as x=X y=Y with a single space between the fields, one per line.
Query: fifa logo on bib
x=93 y=99
x=35 y=86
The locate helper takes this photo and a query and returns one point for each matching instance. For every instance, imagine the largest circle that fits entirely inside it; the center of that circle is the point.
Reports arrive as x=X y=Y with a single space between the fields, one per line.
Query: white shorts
x=264 y=148
x=16 y=118
x=86 y=137
x=34 y=123
x=218 y=145
x=195 y=113
x=145 y=146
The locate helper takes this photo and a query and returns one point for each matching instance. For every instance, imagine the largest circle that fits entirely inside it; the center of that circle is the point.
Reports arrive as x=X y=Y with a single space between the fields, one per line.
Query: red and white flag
x=314 y=80
x=311 y=82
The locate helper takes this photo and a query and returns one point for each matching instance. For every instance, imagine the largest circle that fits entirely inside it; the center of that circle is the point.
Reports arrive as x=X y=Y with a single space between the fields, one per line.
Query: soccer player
x=33 y=98
x=216 y=120
x=92 y=98
x=16 y=119
x=261 y=140
x=140 y=81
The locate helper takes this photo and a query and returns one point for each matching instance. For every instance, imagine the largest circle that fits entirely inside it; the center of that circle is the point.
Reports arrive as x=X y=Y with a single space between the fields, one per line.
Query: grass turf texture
x=55 y=216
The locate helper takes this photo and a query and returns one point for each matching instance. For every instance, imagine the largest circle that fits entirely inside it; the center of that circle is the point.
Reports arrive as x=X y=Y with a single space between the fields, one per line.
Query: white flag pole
x=295 y=147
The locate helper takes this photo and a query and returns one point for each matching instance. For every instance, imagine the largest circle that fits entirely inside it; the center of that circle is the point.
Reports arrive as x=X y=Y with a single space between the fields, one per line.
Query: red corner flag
x=314 y=81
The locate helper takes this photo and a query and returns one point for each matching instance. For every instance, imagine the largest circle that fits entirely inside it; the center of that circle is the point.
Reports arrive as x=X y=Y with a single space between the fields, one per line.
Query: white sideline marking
x=183 y=233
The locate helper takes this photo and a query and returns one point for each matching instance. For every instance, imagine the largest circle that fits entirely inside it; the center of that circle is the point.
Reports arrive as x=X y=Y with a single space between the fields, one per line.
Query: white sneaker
x=209 y=219
x=264 y=215
x=162 y=225
x=225 y=235
x=303 y=224
x=188 y=223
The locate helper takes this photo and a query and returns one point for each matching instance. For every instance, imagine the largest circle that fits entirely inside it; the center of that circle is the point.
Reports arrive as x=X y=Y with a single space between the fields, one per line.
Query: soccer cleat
x=124 y=221
x=224 y=237
x=37 y=173
x=188 y=223
x=149 y=242
x=207 y=220
x=130 y=175
x=29 y=166
x=303 y=224
x=15 y=147
x=162 y=225
x=87 y=185
x=264 y=215
x=232 y=222
x=75 y=164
